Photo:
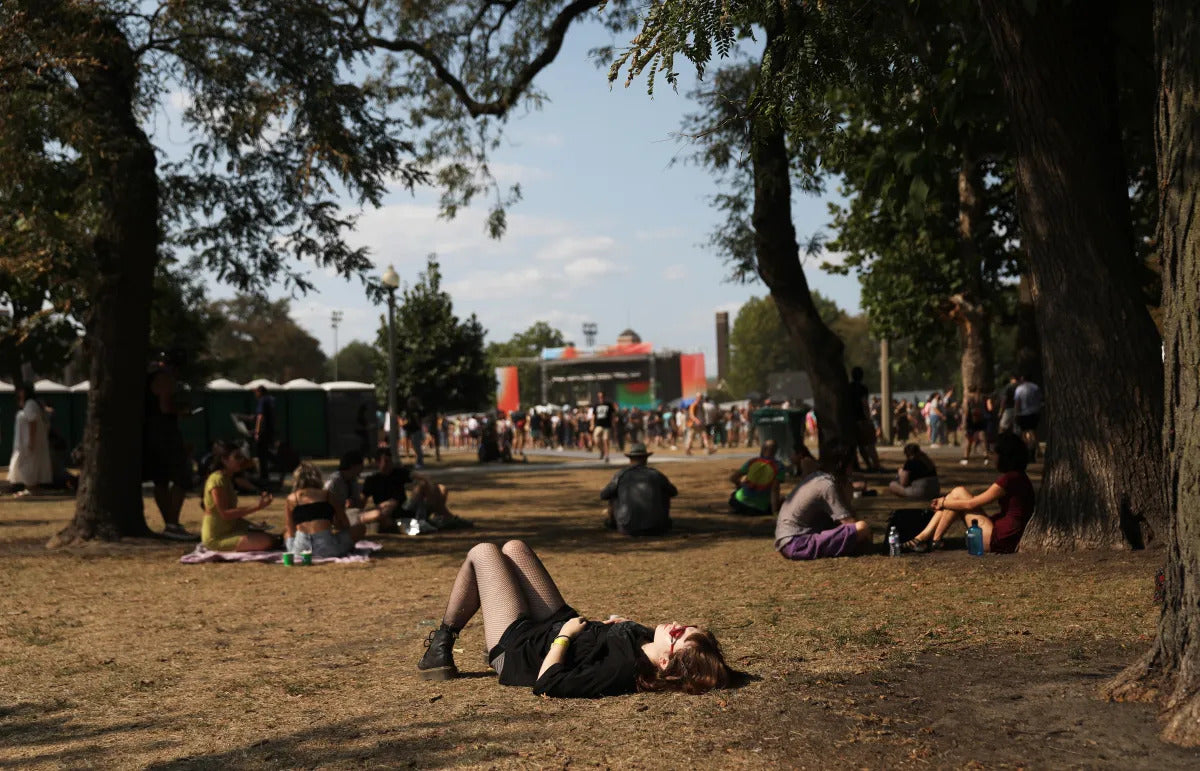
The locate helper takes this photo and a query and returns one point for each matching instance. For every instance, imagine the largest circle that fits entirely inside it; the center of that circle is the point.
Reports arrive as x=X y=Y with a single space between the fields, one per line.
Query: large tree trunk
x=1029 y=345
x=1171 y=669
x=1099 y=347
x=778 y=262
x=109 y=502
x=971 y=310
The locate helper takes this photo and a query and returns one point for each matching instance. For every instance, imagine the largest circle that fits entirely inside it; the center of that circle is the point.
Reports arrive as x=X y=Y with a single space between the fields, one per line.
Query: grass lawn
x=118 y=656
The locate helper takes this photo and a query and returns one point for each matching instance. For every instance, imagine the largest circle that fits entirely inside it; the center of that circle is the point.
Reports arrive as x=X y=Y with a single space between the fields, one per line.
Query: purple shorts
x=840 y=541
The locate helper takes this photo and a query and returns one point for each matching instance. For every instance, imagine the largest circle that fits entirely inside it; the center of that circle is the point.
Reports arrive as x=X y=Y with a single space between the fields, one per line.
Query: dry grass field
x=119 y=656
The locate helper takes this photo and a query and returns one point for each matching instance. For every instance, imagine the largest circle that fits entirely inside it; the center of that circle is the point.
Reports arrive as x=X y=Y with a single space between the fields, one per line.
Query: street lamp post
x=335 y=319
x=392 y=282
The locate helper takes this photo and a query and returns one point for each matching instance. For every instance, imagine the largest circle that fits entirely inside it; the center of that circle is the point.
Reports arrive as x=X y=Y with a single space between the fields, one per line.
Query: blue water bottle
x=975 y=540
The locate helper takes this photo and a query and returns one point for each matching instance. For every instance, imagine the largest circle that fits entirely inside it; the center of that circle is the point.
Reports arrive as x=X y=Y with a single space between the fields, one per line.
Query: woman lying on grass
x=1012 y=489
x=534 y=639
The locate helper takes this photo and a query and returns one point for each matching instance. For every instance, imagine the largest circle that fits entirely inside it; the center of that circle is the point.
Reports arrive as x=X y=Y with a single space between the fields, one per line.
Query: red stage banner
x=691 y=375
x=508 y=397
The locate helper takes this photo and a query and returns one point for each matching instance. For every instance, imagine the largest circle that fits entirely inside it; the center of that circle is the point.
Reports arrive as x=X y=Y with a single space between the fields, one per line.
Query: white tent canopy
x=6 y=388
x=50 y=387
x=347 y=385
x=221 y=384
x=84 y=386
x=300 y=384
x=270 y=385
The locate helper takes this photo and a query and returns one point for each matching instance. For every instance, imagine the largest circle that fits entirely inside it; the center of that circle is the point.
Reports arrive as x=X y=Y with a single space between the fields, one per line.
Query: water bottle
x=975 y=540
x=893 y=542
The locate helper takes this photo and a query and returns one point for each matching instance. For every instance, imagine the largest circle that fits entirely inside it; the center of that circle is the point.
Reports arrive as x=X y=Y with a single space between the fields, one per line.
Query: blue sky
x=608 y=231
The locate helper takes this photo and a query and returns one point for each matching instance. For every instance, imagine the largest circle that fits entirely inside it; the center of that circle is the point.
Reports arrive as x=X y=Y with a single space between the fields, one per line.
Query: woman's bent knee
x=483 y=549
x=514 y=546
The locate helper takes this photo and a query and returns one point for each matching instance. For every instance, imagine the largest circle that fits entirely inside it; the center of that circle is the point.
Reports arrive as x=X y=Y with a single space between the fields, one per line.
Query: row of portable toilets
x=317 y=419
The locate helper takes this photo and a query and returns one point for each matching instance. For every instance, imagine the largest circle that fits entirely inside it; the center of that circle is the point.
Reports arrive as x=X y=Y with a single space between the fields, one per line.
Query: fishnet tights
x=504 y=583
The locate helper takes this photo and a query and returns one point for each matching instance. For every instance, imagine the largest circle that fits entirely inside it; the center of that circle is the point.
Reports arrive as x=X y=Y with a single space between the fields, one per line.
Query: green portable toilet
x=786 y=427
x=58 y=397
x=307 y=428
x=345 y=400
x=8 y=418
x=222 y=399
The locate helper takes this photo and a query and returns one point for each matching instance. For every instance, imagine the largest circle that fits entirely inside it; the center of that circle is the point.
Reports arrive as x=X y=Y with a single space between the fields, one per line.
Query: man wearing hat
x=639 y=497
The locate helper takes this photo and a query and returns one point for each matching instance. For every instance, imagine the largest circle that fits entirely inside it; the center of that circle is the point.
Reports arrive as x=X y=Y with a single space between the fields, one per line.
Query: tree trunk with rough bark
x=971 y=310
x=1170 y=671
x=778 y=262
x=109 y=501
x=1100 y=350
x=1029 y=347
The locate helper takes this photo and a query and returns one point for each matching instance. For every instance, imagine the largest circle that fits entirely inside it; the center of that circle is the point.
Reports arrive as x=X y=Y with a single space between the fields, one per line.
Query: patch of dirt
x=118 y=656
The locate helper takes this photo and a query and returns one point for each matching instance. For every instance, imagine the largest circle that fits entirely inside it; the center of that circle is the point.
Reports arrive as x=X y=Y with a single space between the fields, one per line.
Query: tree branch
x=555 y=34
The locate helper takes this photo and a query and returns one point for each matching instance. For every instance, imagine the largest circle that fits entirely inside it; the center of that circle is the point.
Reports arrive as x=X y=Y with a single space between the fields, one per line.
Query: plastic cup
x=307 y=558
x=288 y=559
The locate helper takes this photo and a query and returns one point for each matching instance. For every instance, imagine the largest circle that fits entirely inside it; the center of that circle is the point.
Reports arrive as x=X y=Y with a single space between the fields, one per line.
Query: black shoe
x=438 y=661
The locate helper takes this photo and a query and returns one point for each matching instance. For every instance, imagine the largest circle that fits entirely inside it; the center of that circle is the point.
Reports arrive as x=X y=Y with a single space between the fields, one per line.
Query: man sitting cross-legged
x=401 y=492
x=757 y=483
x=639 y=497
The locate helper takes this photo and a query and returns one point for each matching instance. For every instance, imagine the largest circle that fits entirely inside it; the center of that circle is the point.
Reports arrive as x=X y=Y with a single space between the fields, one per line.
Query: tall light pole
x=392 y=282
x=335 y=319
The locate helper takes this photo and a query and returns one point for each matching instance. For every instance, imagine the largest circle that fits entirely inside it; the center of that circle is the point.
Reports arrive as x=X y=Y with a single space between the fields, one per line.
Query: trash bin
x=786 y=427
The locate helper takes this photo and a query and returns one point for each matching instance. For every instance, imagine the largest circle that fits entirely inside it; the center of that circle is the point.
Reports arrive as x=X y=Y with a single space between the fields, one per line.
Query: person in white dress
x=30 y=462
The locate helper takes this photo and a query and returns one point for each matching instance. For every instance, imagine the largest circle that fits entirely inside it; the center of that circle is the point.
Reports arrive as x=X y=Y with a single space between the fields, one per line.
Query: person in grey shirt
x=814 y=520
x=639 y=497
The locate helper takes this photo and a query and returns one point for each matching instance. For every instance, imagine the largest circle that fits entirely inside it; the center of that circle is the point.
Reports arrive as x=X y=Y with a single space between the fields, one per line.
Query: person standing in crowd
x=977 y=428
x=164 y=458
x=1027 y=403
x=639 y=497
x=414 y=429
x=937 y=419
x=264 y=433
x=603 y=413
x=756 y=483
x=712 y=423
x=864 y=427
x=29 y=466
x=1008 y=407
x=696 y=425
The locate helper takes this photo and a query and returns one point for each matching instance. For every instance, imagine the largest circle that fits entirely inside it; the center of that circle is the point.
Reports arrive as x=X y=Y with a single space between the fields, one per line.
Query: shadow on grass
x=27 y=728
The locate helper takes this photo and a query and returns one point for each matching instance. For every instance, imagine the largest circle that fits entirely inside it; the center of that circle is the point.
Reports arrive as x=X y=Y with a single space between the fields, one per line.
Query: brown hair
x=696 y=667
x=307 y=477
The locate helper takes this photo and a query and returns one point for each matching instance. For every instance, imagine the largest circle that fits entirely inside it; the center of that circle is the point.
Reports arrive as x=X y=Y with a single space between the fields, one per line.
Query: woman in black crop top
x=534 y=639
x=313 y=523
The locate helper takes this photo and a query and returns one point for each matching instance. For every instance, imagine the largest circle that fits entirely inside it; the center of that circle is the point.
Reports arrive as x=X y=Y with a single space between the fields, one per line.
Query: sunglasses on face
x=676 y=635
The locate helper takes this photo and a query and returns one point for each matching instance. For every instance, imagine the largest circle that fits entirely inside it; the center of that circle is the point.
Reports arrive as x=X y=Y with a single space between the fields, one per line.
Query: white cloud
x=587 y=269
x=514 y=173
x=827 y=257
x=495 y=284
x=179 y=100
x=672 y=233
x=573 y=248
x=675 y=272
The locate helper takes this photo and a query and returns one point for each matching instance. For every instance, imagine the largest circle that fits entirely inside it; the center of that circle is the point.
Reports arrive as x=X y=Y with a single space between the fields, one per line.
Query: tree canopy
x=440 y=358
x=254 y=337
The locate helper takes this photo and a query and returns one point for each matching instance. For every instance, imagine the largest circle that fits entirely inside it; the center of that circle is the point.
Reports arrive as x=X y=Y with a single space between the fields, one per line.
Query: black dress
x=602 y=660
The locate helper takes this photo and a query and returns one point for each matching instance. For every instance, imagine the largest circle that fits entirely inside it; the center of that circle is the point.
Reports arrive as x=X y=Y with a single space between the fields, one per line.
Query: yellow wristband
x=565 y=641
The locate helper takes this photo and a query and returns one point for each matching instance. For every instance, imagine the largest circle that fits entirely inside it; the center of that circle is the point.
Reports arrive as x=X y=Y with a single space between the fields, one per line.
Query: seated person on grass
x=757 y=483
x=917 y=478
x=536 y=640
x=639 y=497
x=312 y=523
x=1013 y=490
x=224 y=527
x=816 y=521
x=398 y=491
x=346 y=493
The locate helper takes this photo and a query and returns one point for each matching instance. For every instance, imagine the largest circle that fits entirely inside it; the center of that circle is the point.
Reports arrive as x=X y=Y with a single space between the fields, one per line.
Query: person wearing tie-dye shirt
x=757 y=483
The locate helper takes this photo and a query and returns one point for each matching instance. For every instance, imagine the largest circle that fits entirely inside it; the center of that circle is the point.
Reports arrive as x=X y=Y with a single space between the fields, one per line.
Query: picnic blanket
x=361 y=553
